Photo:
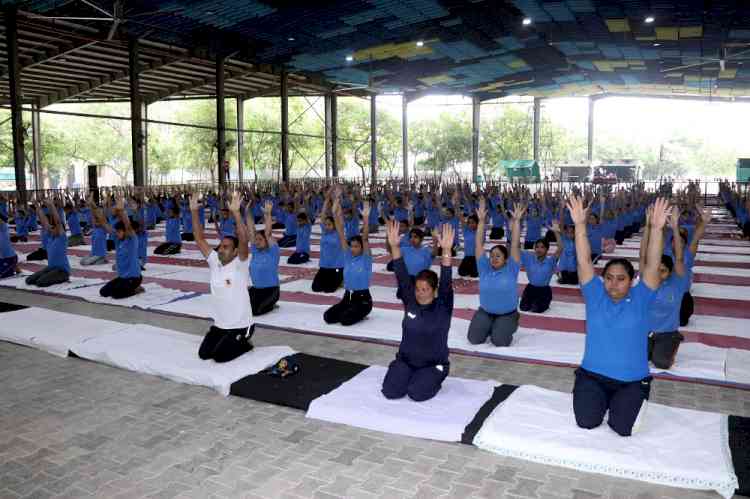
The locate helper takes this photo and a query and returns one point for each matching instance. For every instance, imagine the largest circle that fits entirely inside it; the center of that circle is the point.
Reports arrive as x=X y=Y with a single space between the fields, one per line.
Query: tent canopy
x=520 y=168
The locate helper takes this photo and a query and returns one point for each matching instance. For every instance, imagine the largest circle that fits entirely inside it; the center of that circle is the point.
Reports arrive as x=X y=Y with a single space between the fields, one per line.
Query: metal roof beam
x=198 y=83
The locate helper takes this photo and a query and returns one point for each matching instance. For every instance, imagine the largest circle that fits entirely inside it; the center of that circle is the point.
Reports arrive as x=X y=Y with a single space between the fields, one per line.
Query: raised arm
x=55 y=216
x=519 y=210
x=659 y=214
x=366 y=227
x=555 y=228
x=679 y=245
x=200 y=239
x=700 y=229
x=479 y=237
x=643 y=250
x=268 y=223
x=338 y=221
x=250 y=220
x=583 y=249
x=122 y=214
x=445 y=288
x=42 y=217
x=241 y=229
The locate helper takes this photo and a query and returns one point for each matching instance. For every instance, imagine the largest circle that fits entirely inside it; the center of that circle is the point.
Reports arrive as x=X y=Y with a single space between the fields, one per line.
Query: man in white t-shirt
x=229 y=337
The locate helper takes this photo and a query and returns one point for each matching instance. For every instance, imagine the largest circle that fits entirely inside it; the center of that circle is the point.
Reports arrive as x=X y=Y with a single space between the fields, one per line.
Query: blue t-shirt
x=331 y=254
x=568 y=258
x=400 y=214
x=142 y=244
x=22 y=228
x=74 y=223
x=595 y=234
x=290 y=224
x=617 y=333
x=57 y=256
x=173 y=231
x=351 y=227
x=303 y=239
x=470 y=242
x=357 y=271
x=264 y=266
x=128 y=266
x=689 y=262
x=538 y=272
x=533 y=229
x=99 y=242
x=6 y=249
x=664 y=313
x=498 y=289
x=227 y=227
x=416 y=259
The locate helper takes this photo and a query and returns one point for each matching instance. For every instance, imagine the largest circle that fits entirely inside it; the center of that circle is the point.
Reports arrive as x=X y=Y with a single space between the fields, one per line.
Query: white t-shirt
x=231 y=303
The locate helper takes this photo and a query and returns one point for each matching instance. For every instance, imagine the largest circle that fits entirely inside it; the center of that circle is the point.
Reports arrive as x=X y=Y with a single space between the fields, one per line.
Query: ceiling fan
x=117 y=17
x=726 y=56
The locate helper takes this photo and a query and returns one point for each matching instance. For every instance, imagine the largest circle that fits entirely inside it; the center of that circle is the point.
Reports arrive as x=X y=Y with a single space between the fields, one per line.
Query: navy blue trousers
x=594 y=395
x=288 y=241
x=419 y=383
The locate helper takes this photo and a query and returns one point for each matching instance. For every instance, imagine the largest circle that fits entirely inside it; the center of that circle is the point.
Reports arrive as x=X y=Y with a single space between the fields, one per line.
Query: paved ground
x=72 y=428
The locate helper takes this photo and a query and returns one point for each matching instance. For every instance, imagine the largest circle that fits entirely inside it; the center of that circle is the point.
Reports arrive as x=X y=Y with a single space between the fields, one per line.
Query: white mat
x=174 y=355
x=153 y=295
x=359 y=402
x=51 y=331
x=738 y=366
x=675 y=447
x=19 y=282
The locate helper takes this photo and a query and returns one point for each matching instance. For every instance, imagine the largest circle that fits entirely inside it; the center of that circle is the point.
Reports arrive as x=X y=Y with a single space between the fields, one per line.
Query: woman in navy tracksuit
x=421 y=363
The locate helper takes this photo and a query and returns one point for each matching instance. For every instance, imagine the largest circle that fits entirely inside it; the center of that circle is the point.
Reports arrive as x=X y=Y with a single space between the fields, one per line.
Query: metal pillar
x=284 y=127
x=329 y=142
x=373 y=140
x=334 y=137
x=590 y=155
x=221 y=122
x=145 y=145
x=16 y=101
x=405 y=136
x=537 y=117
x=36 y=140
x=137 y=111
x=240 y=139
x=475 y=106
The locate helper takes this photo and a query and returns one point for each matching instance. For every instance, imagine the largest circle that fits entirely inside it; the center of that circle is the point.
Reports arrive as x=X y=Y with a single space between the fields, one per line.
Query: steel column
x=537 y=117
x=590 y=155
x=16 y=101
x=36 y=139
x=329 y=141
x=137 y=111
x=284 y=127
x=475 y=106
x=373 y=140
x=405 y=136
x=334 y=137
x=240 y=139
x=221 y=122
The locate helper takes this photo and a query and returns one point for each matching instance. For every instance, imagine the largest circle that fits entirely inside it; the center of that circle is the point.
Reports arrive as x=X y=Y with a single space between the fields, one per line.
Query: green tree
x=441 y=145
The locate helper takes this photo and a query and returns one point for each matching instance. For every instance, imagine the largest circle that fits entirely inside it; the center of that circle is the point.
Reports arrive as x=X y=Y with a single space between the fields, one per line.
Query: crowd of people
x=633 y=315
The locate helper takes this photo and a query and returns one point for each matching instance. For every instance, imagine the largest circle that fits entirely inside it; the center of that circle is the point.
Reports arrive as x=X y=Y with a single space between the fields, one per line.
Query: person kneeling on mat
x=537 y=295
x=128 y=280
x=664 y=314
x=421 y=364
x=229 y=336
x=357 y=302
x=173 y=245
x=264 y=266
x=8 y=256
x=302 y=241
x=614 y=374
x=57 y=270
x=330 y=275
x=497 y=317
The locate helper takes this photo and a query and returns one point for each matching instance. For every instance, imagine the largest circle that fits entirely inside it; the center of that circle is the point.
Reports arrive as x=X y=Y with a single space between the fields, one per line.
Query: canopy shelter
x=578 y=172
x=143 y=51
x=526 y=170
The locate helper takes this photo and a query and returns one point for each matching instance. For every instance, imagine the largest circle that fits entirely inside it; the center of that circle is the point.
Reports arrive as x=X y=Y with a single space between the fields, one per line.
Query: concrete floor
x=72 y=428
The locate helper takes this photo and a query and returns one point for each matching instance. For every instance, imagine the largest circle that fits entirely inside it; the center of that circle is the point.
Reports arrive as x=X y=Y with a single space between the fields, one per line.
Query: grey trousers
x=47 y=277
x=499 y=328
x=93 y=260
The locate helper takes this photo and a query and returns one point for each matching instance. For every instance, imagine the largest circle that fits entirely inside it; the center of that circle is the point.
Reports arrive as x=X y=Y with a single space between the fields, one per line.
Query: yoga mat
x=174 y=355
x=674 y=447
x=499 y=395
x=359 y=403
x=316 y=377
x=52 y=331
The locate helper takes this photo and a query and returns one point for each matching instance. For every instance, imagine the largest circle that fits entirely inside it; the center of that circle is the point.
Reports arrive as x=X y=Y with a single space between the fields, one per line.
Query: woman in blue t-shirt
x=58 y=268
x=497 y=316
x=99 y=233
x=302 y=241
x=468 y=265
x=173 y=245
x=664 y=315
x=357 y=301
x=129 y=278
x=264 y=265
x=8 y=256
x=330 y=275
x=614 y=374
x=539 y=266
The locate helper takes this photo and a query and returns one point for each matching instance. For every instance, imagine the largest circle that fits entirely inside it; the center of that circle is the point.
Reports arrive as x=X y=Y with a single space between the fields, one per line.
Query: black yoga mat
x=10 y=307
x=739 y=445
x=317 y=376
x=501 y=393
